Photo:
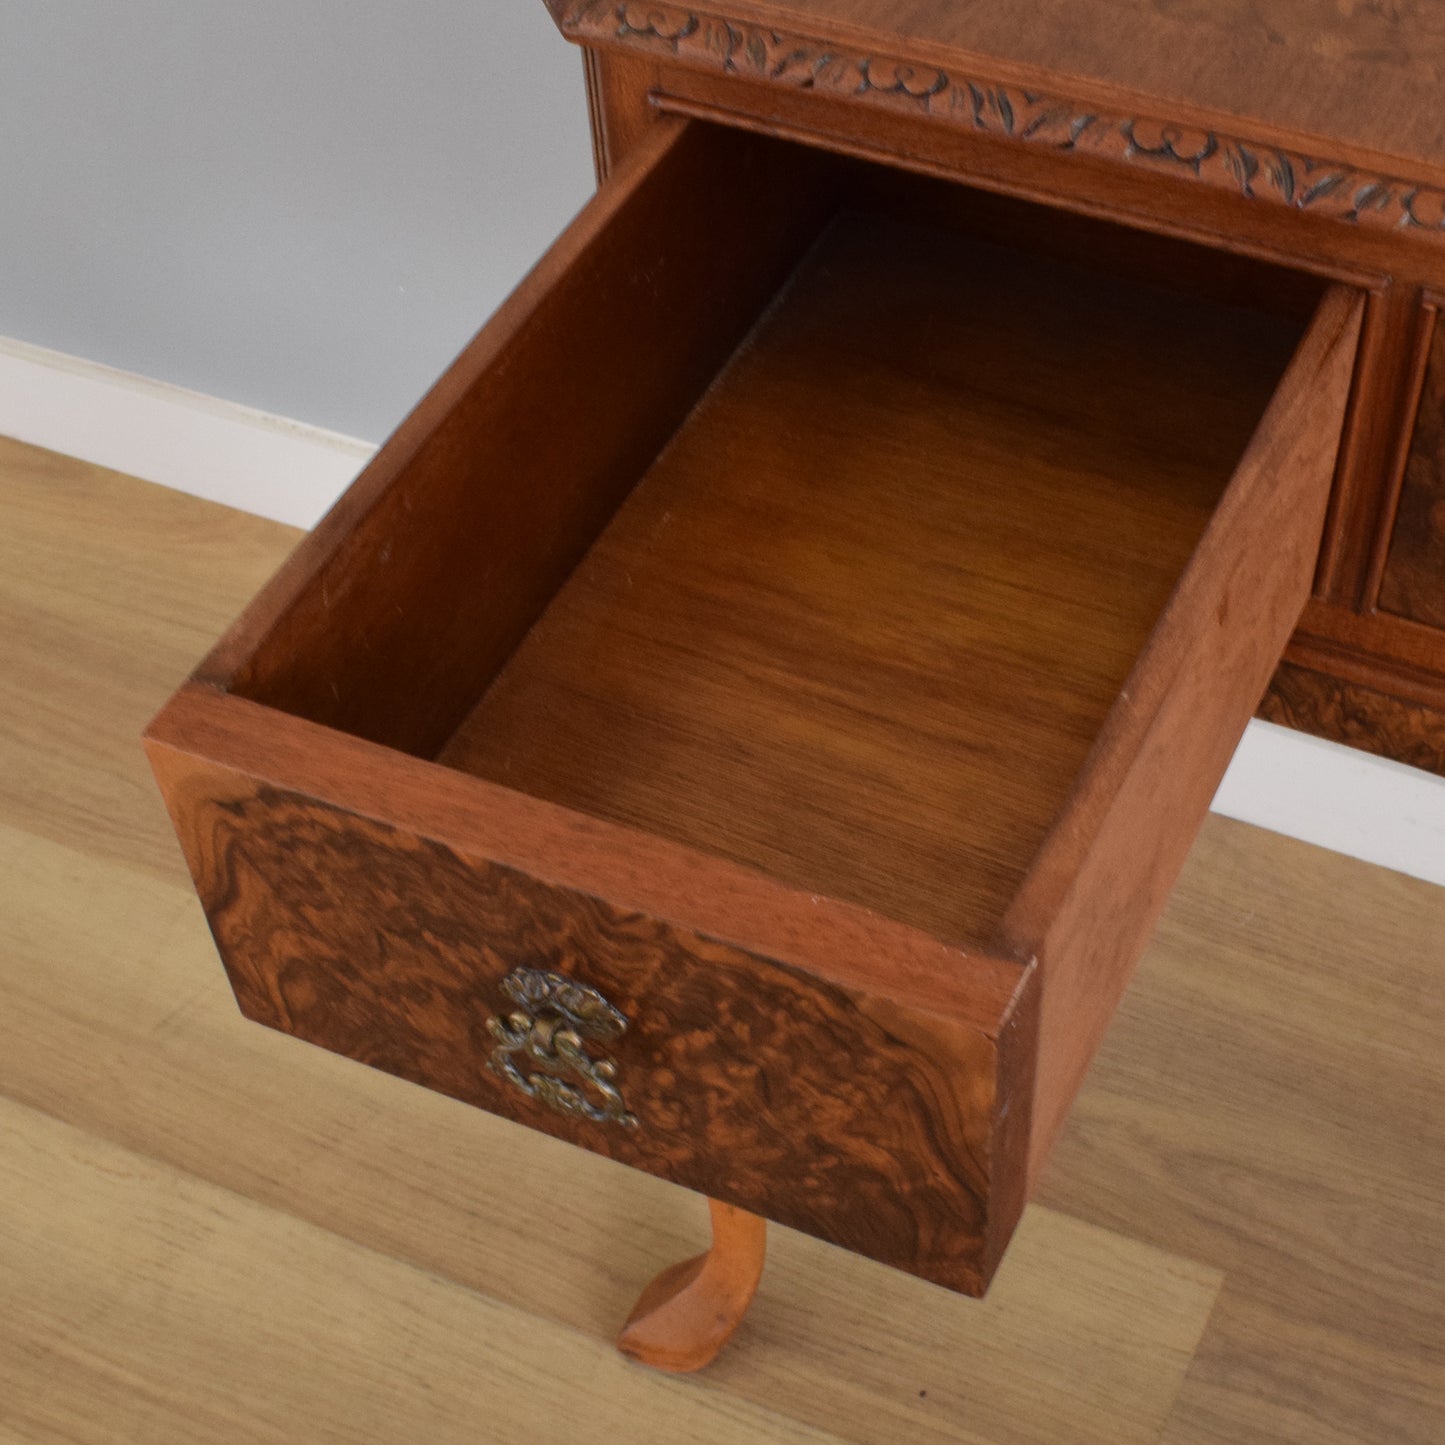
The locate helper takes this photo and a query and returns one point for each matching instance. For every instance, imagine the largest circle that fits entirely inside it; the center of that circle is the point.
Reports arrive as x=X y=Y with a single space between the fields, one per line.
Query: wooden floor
x=213 y=1233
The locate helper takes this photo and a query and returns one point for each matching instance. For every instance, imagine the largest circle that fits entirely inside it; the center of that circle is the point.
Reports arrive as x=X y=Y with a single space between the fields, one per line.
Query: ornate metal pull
x=555 y=1017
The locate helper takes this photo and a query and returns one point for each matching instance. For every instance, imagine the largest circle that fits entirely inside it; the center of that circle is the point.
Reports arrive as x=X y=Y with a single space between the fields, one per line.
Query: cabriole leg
x=689 y=1312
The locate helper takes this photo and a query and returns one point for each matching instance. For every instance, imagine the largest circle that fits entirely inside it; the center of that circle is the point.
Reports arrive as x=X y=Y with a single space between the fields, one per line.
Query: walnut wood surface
x=830 y=634
x=1359 y=716
x=527 y=444
x=1302 y=105
x=1414 y=579
x=1102 y=878
x=846 y=946
x=619 y=86
x=1163 y=201
x=795 y=731
x=845 y=1113
x=1090 y=243
x=1367 y=477
x=686 y=1316
x=1377 y=425
x=1378 y=649
x=1366 y=652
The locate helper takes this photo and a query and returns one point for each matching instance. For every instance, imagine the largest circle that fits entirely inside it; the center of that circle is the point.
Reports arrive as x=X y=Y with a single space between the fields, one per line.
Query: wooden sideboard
x=748 y=719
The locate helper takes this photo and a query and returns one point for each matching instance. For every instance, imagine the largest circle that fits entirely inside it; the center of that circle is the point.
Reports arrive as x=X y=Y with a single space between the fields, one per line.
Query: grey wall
x=303 y=205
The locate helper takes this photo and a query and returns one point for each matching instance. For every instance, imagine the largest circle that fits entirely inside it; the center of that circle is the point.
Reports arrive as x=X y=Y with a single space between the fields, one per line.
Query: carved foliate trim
x=1255 y=171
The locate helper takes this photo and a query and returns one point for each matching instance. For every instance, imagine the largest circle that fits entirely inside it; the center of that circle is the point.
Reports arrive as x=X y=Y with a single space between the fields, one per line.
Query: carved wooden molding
x=1255 y=171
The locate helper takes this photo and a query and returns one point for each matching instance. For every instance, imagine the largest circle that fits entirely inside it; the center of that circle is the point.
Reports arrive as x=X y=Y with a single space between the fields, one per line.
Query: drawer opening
x=845 y=502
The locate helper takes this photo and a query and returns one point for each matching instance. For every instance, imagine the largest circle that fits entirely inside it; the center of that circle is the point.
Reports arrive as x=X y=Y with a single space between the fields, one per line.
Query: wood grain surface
x=1357 y=715
x=1269 y=1094
x=1012 y=130
x=1296 y=103
x=847 y=1116
x=828 y=635
x=881 y=623
x=200 y=1315
x=211 y=1232
x=527 y=443
x=1377 y=649
x=1414 y=577
x=1102 y=877
x=684 y=1317
x=80 y=634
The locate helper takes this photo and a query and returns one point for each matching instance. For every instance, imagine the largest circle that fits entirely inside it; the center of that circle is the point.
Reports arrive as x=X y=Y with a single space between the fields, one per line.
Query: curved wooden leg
x=689 y=1312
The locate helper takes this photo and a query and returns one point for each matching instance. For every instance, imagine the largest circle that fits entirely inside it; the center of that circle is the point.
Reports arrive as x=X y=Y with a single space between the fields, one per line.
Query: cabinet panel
x=1414 y=581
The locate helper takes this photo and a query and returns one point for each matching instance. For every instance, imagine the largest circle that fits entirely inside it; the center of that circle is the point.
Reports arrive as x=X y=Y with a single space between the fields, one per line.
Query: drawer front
x=849 y=1117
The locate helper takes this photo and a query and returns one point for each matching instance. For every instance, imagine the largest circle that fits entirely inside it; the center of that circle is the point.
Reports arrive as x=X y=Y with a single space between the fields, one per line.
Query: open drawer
x=750 y=716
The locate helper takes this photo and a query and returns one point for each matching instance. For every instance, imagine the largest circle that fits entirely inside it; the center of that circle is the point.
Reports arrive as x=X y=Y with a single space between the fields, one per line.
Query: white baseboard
x=1339 y=798
x=210 y=448
x=1333 y=796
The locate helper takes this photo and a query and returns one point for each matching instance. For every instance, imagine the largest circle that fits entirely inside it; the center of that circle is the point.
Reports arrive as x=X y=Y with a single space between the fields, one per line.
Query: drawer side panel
x=395 y=613
x=1101 y=882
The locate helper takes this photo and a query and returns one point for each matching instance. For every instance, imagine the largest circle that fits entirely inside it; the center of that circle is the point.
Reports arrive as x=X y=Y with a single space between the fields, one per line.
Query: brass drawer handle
x=555 y=1017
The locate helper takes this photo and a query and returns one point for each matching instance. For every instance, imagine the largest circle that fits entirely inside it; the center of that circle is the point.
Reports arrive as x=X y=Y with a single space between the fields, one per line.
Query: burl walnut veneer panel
x=1356 y=715
x=870 y=1123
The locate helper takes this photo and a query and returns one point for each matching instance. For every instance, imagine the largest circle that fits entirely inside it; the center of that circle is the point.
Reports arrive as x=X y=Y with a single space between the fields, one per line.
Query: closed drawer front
x=748 y=719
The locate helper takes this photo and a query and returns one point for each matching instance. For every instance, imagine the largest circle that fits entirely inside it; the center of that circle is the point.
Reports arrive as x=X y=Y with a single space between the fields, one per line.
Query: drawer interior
x=860 y=622
x=875 y=512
